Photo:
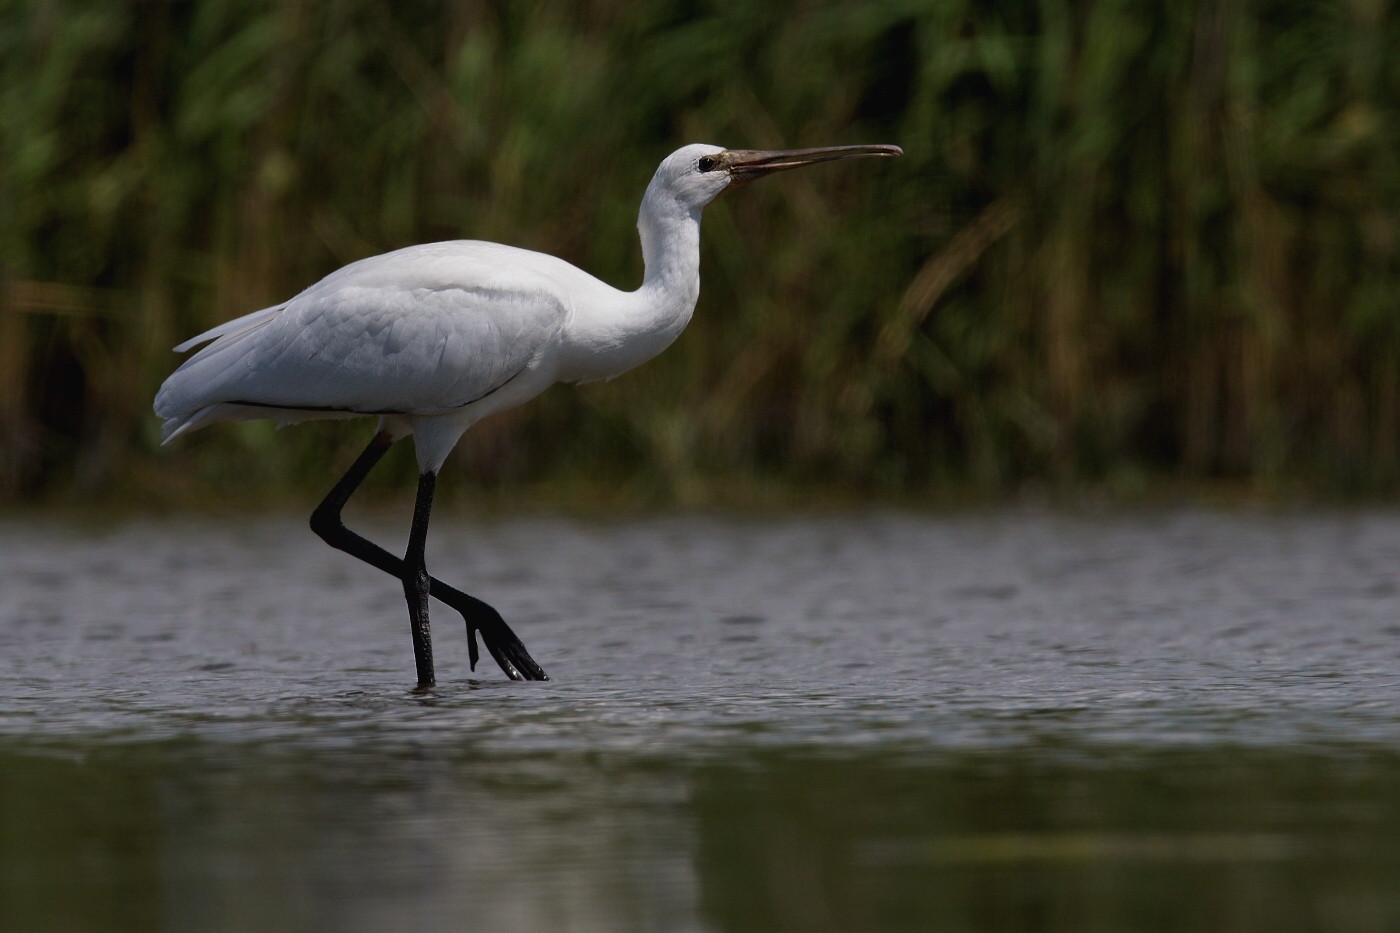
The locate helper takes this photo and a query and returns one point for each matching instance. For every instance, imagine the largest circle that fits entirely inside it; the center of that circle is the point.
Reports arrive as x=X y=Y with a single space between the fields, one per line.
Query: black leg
x=415 y=580
x=501 y=642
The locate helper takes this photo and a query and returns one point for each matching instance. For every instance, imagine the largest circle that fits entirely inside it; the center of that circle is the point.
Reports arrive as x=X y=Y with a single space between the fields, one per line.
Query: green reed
x=1128 y=241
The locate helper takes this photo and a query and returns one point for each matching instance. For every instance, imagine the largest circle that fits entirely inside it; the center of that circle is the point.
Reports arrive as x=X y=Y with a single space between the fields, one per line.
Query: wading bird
x=433 y=338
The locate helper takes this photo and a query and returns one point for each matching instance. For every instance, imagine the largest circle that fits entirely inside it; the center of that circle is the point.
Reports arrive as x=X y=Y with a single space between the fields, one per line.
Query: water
x=1176 y=720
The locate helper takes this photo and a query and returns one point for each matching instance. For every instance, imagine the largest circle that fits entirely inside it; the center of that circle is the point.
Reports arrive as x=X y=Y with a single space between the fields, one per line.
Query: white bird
x=433 y=338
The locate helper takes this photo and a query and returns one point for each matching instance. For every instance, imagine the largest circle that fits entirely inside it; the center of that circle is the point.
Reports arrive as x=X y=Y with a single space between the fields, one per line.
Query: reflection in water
x=191 y=836
x=1177 y=721
x=1117 y=839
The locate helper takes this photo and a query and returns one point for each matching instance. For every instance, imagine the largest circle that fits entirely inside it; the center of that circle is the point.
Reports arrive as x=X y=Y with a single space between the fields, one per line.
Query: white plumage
x=422 y=332
x=433 y=338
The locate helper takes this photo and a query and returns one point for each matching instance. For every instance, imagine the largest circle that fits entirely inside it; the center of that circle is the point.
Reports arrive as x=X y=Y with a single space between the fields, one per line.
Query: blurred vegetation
x=1128 y=241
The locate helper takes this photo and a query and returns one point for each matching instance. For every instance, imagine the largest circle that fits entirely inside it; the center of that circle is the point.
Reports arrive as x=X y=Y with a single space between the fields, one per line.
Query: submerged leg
x=415 y=580
x=501 y=642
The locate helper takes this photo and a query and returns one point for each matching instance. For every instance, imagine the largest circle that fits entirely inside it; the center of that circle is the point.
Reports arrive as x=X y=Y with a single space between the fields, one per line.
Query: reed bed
x=1128 y=242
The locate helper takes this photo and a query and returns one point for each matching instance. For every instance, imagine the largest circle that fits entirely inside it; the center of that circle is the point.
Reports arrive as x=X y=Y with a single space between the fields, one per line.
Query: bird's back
x=423 y=329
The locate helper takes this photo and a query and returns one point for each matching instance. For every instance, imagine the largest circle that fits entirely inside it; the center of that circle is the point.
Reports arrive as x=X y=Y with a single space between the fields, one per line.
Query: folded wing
x=426 y=329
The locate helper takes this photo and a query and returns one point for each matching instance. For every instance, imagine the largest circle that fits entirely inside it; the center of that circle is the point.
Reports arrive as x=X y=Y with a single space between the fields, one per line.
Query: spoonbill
x=433 y=338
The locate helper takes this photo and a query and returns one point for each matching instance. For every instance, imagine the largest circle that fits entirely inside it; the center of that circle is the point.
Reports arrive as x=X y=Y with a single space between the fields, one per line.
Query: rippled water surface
x=985 y=721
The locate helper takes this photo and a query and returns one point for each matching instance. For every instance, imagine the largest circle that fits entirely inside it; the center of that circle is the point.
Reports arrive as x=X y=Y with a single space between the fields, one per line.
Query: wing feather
x=427 y=329
x=229 y=328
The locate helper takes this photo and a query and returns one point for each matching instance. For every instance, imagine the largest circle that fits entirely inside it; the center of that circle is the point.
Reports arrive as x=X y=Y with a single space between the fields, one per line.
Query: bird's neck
x=670 y=250
x=632 y=327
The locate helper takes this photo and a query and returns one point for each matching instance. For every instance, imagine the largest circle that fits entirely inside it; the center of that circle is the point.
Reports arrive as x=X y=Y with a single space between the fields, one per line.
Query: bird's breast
x=607 y=338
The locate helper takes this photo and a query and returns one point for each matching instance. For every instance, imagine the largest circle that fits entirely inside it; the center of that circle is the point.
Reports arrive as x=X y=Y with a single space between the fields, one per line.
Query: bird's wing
x=426 y=329
x=236 y=326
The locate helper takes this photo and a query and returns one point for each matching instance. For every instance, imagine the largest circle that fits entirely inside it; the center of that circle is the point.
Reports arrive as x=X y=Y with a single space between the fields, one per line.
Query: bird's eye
x=707 y=163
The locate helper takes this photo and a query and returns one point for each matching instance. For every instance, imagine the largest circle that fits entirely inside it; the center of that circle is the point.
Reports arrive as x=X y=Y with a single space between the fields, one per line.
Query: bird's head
x=697 y=174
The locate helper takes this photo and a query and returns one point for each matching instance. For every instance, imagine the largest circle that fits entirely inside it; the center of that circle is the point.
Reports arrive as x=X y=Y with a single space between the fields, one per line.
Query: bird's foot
x=505 y=647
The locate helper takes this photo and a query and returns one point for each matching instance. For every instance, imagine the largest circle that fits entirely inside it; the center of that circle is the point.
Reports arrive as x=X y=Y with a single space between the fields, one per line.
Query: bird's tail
x=176 y=425
x=187 y=400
